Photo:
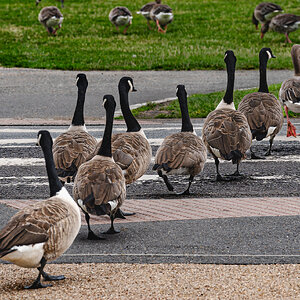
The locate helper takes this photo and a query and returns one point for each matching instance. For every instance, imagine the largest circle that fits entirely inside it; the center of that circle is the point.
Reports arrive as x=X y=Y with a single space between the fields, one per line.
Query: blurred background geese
x=262 y=109
x=99 y=187
x=182 y=153
x=50 y=17
x=283 y=23
x=162 y=15
x=61 y=1
x=120 y=16
x=145 y=11
x=44 y=231
x=226 y=132
x=71 y=148
x=264 y=12
x=289 y=93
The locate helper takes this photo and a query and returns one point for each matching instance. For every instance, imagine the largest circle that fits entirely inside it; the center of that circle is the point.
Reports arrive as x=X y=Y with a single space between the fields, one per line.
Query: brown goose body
x=51 y=16
x=264 y=114
x=162 y=15
x=226 y=134
x=289 y=93
x=145 y=10
x=70 y=150
x=102 y=178
x=265 y=11
x=48 y=227
x=120 y=16
x=132 y=152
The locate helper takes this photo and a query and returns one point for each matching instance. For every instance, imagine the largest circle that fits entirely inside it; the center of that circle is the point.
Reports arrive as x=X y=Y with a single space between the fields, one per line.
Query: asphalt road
x=272 y=237
x=33 y=93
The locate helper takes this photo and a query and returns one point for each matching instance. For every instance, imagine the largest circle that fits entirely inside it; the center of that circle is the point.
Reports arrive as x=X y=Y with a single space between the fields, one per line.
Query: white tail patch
x=113 y=204
x=271 y=130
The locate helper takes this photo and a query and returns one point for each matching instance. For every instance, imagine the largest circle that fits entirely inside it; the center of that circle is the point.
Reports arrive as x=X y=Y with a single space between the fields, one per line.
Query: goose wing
x=182 y=150
x=226 y=130
x=119 y=11
x=32 y=224
x=99 y=181
x=49 y=12
x=289 y=92
x=266 y=11
x=70 y=150
x=262 y=111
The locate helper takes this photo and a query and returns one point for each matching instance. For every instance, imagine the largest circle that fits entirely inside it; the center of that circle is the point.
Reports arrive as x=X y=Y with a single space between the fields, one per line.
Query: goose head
x=230 y=60
x=109 y=102
x=81 y=81
x=44 y=139
x=127 y=84
x=266 y=54
x=181 y=91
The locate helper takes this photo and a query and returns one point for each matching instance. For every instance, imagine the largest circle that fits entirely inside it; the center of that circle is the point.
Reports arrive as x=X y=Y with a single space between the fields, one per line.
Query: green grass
x=197 y=38
x=200 y=105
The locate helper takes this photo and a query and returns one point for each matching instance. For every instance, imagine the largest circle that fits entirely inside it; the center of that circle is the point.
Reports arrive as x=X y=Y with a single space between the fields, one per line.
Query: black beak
x=133 y=89
x=273 y=56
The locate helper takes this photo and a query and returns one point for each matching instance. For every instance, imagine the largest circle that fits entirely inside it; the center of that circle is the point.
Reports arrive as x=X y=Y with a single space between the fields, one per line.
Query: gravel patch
x=160 y=281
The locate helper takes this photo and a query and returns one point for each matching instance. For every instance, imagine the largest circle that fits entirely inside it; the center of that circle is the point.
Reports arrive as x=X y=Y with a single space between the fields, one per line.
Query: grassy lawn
x=200 y=105
x=197 y=39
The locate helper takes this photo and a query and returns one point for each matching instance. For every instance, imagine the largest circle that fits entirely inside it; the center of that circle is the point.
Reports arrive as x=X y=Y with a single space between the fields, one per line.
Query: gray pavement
x=37 y=93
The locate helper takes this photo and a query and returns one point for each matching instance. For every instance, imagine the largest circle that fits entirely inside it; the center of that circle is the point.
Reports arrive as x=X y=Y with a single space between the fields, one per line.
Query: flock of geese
x=100 y=171
x=271 y=16
x=161 y=14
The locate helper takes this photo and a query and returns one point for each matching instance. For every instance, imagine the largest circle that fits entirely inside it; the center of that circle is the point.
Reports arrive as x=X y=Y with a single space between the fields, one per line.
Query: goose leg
x=253 y=155
x=121 y=214
x=187 y=191
x=91 y=234
x=111 y=230
x=158 y=27
x=287 y=38
x=291 y=129
x=270 y=147
x=237 y=173
x=166 y=180
x=48 y=277
x=148 y=24
x=219 y=177
x=37 y=283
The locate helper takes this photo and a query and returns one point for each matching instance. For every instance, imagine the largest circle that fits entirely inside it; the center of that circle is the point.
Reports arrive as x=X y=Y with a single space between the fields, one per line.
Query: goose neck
x=105 y=149
x=131 y=122
x=296 y=63
x=54 y=182
x=228 y=98
x=263 y=85
x=185 y=117
x=78 y=118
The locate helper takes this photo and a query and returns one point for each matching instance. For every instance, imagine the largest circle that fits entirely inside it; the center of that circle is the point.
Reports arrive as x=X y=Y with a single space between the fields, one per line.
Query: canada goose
x=264 y=12
x=120 y=16
x=71 y=148
x=61 y=1
x=283 y=23
x=289 y=93
x=182 y=153
x=262 y=109
x=50 y=16
x=99 y=187
x=131 y=150
x=44 y=231
x=162 y=15
x=226 y=132
x=145 y=11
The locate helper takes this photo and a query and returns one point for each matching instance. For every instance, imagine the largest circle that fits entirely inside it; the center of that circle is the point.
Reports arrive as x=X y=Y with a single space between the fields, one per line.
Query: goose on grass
x=50 y=17
x=120 y=16
x=162 y=15
x=44 y=231
x=182 y=153
x=145 y=11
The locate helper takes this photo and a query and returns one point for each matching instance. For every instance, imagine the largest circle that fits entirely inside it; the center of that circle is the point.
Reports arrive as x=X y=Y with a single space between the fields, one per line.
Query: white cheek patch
x=39 y=140
x=131 y=86
x=104 y=102
x=225 y=55
x=77 y=79
x=269 y=54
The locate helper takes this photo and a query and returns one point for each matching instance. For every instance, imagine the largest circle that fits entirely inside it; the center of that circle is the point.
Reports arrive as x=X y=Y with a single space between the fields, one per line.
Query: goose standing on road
x=264 y=12
x=182 y=153
x=262 y=109
x=289 y=93
x=44 y=231
x=226 y=132
x=162 y=15
x=145 y=11
x=99 y=186
x=71 y=148
x=283 y=23
x=120 y=16
x=50 y=16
